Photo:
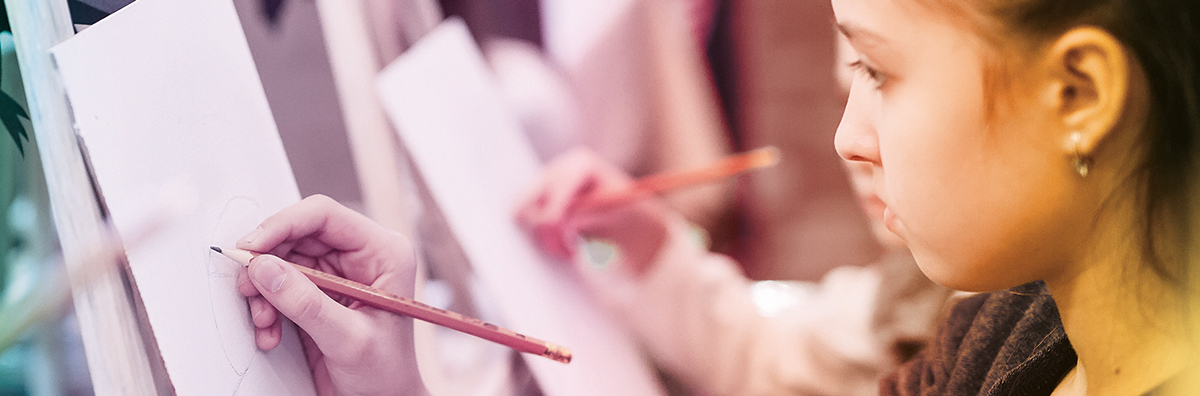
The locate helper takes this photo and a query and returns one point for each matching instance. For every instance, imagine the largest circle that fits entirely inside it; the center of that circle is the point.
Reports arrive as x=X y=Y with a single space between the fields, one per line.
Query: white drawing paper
x=165 y=93
x=478 y=165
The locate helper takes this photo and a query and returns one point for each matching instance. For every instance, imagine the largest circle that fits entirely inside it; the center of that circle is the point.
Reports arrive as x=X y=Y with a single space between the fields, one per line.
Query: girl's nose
x=856 y=139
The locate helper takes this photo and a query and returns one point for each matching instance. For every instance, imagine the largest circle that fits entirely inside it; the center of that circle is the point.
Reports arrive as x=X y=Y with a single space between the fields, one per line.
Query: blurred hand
x=556 y=215
x=351 y=347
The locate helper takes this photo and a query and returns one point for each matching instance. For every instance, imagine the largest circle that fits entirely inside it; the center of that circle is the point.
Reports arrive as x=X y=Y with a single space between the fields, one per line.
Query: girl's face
x=981 y=197
x=862 y=174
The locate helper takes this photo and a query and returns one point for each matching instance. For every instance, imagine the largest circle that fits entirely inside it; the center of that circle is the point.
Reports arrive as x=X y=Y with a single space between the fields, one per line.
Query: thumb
x=295 y=296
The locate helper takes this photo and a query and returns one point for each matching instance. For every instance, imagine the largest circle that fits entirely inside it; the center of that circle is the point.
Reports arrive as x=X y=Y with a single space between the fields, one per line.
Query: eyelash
x=871 y=73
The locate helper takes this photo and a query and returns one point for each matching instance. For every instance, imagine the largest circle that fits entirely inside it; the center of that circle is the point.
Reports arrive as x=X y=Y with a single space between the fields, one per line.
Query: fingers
x=547 y=217
x=244 y=286
x=268 y=330
x=261 y=312
x=550 y=237
x=293 y=295
x=269 y=338
x=558 y=189
x=318 y=230
x=318 y=217
x=568 y=180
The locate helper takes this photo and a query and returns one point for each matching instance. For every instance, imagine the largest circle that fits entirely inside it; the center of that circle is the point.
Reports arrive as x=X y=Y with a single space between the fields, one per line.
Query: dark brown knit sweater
x=1003 y=343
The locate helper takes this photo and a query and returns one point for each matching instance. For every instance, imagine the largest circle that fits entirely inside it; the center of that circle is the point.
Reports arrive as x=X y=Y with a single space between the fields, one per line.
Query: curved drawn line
x=212 y=273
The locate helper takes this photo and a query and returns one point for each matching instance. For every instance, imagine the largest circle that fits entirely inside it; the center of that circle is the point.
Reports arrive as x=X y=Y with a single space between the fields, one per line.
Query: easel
x=122 y=355
x=118 y=357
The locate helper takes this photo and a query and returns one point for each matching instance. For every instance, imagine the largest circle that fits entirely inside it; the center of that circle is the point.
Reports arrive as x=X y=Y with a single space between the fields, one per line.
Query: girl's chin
x=886 y=237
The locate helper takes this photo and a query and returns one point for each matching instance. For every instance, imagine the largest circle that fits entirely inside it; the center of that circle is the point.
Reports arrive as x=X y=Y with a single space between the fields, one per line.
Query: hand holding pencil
x=582 y=196
x=352 y=347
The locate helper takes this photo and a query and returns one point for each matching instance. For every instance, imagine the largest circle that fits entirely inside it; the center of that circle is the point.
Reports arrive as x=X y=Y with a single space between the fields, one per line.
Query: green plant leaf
x=10 y=114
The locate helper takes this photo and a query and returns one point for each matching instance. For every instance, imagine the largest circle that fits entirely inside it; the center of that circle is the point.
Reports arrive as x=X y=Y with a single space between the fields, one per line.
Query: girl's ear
x=1090 y=70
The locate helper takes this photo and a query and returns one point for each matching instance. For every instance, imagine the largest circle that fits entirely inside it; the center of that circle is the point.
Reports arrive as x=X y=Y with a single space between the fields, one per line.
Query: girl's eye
x=873 y=74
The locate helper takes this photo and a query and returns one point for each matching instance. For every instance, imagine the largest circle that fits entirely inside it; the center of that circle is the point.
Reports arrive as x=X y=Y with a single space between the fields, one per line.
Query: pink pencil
x=418 y=310
x=670 y=180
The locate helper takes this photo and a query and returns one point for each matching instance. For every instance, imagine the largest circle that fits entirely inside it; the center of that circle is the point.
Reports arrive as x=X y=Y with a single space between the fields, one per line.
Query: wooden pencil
x=418 y=310
x=670 y=180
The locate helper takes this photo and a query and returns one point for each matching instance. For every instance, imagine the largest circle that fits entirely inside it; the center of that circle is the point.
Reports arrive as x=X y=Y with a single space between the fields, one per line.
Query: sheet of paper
x=478 y=165
x=166 y=97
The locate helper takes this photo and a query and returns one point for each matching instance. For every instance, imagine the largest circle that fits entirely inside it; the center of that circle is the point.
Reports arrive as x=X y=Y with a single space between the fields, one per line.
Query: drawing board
x=166 y=98
x=478 y=165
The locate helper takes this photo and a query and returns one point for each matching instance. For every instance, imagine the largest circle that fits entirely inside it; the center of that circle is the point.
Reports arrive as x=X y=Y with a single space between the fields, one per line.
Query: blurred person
x=705 y=322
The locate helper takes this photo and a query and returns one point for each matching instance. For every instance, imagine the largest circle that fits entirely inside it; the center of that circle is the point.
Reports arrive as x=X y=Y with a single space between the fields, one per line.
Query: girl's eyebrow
x=860 y=35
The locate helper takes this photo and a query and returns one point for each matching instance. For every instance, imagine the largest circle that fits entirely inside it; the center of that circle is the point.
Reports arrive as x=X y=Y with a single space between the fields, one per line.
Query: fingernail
x=256 y=309
x=249 y=239
x=268 y=272
x=241 y=280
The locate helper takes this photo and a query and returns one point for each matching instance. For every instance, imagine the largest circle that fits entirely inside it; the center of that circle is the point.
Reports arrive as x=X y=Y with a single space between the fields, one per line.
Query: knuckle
x=321 y=203
x=401 y=243
x=309 y=311
x=319 y=198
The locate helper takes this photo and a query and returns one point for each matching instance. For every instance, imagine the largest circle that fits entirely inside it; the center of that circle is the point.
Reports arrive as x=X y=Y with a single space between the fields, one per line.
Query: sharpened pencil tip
x=215 y=249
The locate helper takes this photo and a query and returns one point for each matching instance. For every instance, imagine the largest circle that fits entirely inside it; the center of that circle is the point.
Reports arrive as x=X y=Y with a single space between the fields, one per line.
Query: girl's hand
x=351 y=347
x=558 y=218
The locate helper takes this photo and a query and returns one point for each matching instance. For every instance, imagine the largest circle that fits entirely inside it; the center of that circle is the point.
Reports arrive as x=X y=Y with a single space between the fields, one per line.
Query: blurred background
x=769 y=66
x=609 y=75
x=649 y=84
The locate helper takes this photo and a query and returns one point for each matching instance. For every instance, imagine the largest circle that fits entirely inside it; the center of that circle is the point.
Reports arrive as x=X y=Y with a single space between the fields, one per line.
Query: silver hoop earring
x=1080 y=161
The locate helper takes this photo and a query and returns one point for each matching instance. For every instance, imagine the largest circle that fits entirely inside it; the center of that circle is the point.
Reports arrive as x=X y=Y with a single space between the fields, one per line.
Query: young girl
x=1036 y=140
x=1040 y=148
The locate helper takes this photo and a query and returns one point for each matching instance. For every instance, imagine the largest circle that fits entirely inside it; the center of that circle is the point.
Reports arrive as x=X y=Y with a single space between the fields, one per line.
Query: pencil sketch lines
x=230 y=312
